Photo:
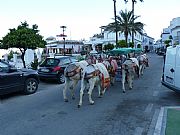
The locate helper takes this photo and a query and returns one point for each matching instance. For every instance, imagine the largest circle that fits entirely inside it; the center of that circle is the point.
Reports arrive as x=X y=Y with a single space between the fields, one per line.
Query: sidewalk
x=168 y=121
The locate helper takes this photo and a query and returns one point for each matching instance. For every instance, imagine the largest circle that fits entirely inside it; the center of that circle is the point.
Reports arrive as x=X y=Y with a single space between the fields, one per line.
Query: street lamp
x=63 y=27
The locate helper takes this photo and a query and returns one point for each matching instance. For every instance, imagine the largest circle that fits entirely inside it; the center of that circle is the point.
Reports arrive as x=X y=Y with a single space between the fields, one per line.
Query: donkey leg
x=100 y=92
x=112 y=79
x=92 y=83
x=73 y=89
x=130 y=81
x=65 y=89
x=137 y=71
x=81 y=93
x=140 y=68
x=123 y=80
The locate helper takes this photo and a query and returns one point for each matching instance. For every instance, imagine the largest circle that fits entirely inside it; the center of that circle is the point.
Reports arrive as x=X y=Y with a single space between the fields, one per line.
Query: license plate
x=45 y=70
x=169 y=79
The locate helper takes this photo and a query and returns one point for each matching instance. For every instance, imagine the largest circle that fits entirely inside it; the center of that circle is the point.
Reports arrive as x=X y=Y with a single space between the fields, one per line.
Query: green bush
x=34 y=64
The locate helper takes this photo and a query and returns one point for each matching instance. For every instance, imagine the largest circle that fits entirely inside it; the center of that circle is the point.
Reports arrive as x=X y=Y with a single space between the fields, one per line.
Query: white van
x=171 y=69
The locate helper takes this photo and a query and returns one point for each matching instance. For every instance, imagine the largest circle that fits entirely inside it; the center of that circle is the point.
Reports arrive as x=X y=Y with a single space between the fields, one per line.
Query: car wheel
x=61 y=78
x=31 y=86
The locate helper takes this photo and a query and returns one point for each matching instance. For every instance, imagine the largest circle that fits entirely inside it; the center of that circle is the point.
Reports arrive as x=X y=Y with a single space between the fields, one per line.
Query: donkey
x=94 y=74
x=143 y=62
x=73 y=73
x=129 y=68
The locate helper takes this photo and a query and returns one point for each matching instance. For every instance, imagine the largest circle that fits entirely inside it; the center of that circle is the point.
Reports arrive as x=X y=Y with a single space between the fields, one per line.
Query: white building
x=147 y=42
x=172 y=30
x=106 y=37
x=55 y=46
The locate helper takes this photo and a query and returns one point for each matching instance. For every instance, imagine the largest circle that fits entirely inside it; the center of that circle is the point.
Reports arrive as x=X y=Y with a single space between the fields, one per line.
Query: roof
x=125 y=50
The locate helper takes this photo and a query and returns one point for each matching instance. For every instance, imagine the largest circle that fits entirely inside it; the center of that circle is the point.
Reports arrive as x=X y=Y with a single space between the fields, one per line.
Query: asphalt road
x=132 y=113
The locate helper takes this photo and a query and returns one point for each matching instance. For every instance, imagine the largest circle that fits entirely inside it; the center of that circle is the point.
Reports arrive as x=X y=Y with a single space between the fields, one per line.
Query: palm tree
x=133 y=2
x=126 y=24
x=116 y=20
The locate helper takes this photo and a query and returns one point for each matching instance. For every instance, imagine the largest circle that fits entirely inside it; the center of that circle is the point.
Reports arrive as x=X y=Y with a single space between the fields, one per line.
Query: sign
x=61 y=35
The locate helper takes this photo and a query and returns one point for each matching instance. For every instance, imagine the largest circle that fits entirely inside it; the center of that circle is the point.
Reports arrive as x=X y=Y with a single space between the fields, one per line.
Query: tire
x=61 y=78
x=31 y=86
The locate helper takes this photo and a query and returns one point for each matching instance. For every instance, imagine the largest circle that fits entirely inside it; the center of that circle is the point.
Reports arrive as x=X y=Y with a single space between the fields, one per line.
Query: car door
x=177 y=68
x=169 y=69
x=11 y=80
x=3 y=82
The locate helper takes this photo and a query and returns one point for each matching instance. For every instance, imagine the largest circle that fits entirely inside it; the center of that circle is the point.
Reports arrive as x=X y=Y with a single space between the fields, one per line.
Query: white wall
x=29 y=56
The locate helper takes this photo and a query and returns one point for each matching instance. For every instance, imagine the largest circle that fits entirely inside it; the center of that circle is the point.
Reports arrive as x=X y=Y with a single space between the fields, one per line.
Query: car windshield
x=50 y=62
x=74 y=59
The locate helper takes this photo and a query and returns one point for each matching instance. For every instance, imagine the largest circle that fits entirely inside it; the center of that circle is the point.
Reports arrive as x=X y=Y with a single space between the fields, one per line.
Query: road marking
x=158 y=127
x=155 y=93
x=138 y=131
x=153 y=122
x=148 y=108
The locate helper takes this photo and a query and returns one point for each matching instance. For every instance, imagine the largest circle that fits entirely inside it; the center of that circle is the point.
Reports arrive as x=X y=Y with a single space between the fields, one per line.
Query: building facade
x=107 y=37
x=172 y=32
x=55 y=46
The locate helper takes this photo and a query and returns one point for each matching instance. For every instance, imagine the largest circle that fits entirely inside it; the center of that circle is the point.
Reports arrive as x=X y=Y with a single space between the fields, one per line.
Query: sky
x=83 y=18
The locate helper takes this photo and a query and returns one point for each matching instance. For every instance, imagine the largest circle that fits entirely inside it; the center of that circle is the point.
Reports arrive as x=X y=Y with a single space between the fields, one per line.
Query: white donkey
x=94 y=74
x=143 y=62
x=73 y=73
x=129 y=68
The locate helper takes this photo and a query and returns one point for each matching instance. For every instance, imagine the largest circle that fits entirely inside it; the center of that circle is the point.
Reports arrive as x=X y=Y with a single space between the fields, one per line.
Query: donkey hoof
x=100 y=96
x=73 y=98
x=79 y=106
x=92 y=103
x=65 y=100
x=124 y=91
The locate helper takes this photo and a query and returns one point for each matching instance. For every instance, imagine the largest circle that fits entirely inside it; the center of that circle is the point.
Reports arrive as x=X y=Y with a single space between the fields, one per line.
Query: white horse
x=94 y=74
x=143 y=62
x=129 y=68
x=73 y=73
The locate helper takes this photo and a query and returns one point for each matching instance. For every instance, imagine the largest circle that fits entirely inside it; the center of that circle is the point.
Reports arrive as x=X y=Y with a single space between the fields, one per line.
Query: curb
x=161 y=122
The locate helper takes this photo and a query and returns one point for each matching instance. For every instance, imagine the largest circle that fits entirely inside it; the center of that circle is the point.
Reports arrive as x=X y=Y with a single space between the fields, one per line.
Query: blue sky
x=83 y=17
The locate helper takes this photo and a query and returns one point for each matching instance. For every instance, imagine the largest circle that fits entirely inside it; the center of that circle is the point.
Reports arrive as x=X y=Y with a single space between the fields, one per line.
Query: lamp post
x=64 y=27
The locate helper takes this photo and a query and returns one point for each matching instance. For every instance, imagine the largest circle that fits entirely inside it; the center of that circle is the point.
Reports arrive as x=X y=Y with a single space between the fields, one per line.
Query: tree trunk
x=22 y=57
x=115 y=22
x=126 y=38
x=133 y=22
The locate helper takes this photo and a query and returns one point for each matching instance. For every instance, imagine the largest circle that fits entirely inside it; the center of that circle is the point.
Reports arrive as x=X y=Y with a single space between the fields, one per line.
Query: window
x=64 y=61
x=3 y=67
x=50 y=62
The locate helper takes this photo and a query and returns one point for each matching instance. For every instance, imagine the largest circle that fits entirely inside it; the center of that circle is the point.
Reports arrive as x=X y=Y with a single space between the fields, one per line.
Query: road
x=132 y=113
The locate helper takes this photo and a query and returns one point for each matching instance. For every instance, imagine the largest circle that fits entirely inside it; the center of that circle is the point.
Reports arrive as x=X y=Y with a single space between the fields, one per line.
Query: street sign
x=61 y=35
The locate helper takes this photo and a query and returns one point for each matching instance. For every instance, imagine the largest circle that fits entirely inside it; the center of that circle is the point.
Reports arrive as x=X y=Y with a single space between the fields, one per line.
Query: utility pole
x=64 y=27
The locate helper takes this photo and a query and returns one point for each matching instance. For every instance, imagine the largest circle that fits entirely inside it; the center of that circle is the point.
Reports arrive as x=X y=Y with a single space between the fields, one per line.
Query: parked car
x=53 y=68
x=13 y=79
x=171 y=68
x=161 y=51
